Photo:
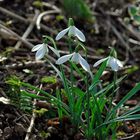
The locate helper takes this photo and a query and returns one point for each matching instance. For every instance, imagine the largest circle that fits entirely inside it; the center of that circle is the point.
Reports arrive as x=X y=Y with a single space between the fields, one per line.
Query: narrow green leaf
x=127 y=118
x=33 y=95
x=44 y=93
x=58 y=72
x=124 y=99
x=99 y=72
x=119 y=119
x=79 y=72
x=132 y=111
x=60 y=113
x=78 y=92
x=110 y=86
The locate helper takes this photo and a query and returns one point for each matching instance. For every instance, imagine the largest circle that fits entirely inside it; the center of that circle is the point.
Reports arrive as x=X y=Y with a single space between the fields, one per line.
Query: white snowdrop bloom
x=74 y=57
x=42 y=49
x=72 y=31
x=112 y=62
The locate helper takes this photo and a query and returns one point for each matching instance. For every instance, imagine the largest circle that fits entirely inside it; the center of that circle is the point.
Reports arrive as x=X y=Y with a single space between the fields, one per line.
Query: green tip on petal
x=113 y=52
x=45 y=40
x=71 y=22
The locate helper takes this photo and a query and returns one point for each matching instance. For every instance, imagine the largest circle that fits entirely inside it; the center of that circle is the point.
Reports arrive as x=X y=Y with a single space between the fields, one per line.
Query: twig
x=5 y=34
x=26 y=21
x=124 y=44
x=51 y=6
x=20 y=115
x=28 y=30
x=3 y=93
x=28 y=44
x=25 y=65
x=29 y=130
x=3 y=10
x=43 y=14
x=130 y=29
x=119 y=36
x=54 y=7
x=133 y=41
x=132 y=137
x=94 y=4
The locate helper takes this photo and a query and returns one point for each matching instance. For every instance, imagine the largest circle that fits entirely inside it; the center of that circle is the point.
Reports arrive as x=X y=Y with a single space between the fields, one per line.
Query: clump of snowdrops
x=91 y=110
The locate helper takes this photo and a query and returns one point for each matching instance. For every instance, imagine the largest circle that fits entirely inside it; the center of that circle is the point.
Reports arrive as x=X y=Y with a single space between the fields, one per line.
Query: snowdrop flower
x=112 y=62
x=42 y=49
x=74 y=57
x=72 y=31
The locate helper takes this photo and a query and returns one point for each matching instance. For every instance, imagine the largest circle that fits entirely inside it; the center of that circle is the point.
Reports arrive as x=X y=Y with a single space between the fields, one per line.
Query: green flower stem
x=71 y=67
x=88 y=110
x=112 y=95
x=114 y=89
x=72 y=81
x=99 y=116
x=67 y=90
x=66 y=86
x=88 y=105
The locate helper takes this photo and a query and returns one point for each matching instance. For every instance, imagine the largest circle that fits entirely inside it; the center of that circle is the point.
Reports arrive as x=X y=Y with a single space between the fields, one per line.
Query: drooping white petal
x=54 y=50
x=63 y=59
x=119 y=63
x=100 y=61
x=46 y=48
x=62 y=33
x=113 y=64
x=80 y=35
x=72 y=31
x=84 y=64
x=37 y=47
x=40 y=53
x=75 y=58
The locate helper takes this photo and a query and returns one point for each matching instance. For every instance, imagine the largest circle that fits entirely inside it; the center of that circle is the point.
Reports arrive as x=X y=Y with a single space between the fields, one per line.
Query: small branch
x=28 y=30
x=24 y=20
x=124 y=44
x=51 y=6
x=25 y=65
x=3 y=10
x=28 y=44
x=29 y=130
x=94 y=4
x=130 y=29
x=43 y=14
